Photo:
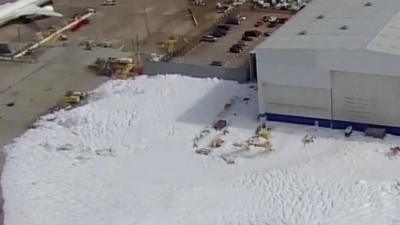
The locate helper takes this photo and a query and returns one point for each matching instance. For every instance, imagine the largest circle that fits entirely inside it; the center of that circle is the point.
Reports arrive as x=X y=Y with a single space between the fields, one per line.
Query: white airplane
x=23 y=8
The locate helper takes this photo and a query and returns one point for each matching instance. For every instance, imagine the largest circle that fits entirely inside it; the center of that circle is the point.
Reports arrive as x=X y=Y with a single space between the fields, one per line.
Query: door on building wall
x=366 y=98
x=252 y=66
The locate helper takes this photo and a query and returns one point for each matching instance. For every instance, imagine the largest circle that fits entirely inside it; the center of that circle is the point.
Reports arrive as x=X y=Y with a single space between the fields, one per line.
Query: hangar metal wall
x=368 y=94
x=297 y=101
x=366 y=98
x=294 y=67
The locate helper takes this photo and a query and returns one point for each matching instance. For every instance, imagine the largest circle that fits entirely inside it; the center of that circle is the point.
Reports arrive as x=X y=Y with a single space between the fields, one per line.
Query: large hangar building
x=335 y=64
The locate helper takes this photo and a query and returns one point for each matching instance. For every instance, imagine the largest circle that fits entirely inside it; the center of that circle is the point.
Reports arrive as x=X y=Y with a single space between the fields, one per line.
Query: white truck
x=262 y=3
x=109 y=2
x=199 y=2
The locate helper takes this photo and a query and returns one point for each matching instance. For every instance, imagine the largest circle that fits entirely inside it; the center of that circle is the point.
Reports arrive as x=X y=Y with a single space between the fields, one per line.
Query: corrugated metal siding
x=366 y=98
x=298 y=101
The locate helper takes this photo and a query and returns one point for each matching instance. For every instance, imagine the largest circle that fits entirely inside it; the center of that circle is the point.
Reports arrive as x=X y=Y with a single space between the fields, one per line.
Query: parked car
x=240 y=47
x=234 y=50
x=272 y=19
x=221 y=10
x=109 y=2
x=252 y=33
x=246 y=38
x=258 y=23
x=219 y=33
x=271 y=25
x=233 y=21
x=224 y=27
x=216 y=63
x=208 y=38
x=199 y=3
x=241 y=43
x=267 y=34
x=237 y=3
x=220 y=6
x=282 y=20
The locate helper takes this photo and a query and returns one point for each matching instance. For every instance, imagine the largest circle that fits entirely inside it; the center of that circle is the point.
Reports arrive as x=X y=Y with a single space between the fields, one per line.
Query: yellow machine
x=171 y=44
x=54 y=38
x=128 y=68
x=76 y=93
x=120 y=68
x=71 y=98
x=264 y=133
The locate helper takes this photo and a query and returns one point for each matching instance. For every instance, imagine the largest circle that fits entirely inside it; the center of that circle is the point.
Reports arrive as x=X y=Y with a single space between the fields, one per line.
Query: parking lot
x=206 y=52
x=152 y=21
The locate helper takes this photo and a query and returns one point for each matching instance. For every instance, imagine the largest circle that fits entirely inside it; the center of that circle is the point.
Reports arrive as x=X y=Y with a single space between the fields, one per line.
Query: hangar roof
x=343 y=24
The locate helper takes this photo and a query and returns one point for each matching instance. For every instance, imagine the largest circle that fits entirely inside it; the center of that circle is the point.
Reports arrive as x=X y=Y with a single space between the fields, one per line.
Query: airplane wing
x=35 y=10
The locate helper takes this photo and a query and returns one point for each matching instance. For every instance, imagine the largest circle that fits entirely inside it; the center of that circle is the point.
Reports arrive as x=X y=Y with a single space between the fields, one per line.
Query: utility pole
x=19 y=38
x=99 y=30
x=138 y=59
x=146 y=21
x=132 y=46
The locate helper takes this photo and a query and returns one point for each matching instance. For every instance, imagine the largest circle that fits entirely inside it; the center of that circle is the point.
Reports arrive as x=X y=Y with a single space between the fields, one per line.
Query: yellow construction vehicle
x=171 y=44
x=264 y=133
x=126 y=71
x=72 y=98
x=122 y=67
x=76 y=93
x=54 y=38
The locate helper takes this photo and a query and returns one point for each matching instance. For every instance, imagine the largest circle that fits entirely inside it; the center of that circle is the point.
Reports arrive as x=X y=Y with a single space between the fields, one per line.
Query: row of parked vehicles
x=248 y=36
x=219 y=31
x=272 y=22
x=222 y=29
x=241 y=44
